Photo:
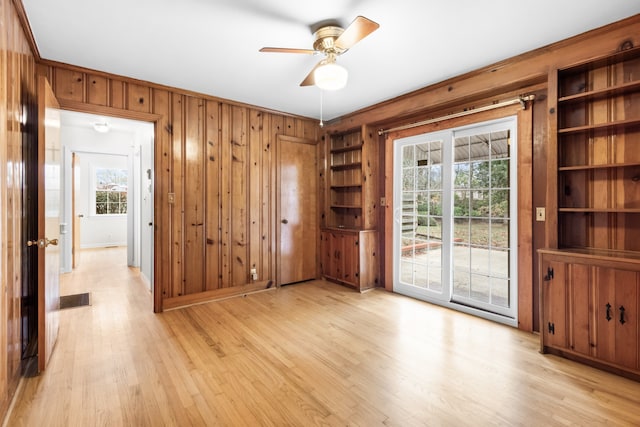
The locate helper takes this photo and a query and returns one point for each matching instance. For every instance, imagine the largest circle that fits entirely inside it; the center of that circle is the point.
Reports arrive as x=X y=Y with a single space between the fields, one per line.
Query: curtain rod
x=520 y=100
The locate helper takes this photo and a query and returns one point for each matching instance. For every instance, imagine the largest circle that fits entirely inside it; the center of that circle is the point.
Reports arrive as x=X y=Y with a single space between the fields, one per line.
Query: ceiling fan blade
x=288 y=50
x=310 y=80
x=360 y=28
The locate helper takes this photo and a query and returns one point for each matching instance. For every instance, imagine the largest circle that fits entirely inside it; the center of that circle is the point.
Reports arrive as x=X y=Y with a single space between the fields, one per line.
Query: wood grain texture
x=17 y=95
x=592 y=302
x=309 y=354
x=297 y=209
x=215 y=159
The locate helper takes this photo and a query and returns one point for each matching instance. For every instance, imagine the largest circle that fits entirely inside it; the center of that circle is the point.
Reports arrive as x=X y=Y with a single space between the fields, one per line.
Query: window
x=455 y=230
x=111 y=191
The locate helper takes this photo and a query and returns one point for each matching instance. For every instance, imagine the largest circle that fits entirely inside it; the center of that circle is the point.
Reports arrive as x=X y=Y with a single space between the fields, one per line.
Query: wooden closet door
x=297 y=209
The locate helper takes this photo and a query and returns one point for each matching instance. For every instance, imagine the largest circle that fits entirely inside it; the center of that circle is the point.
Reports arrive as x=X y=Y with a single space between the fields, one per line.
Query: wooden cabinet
x=349 y=237
x=590 y=278
x=349 y=257
x=589 y=309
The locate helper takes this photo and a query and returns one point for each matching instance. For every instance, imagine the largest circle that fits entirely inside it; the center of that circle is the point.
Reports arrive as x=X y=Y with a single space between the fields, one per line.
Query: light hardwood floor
x=308 y=354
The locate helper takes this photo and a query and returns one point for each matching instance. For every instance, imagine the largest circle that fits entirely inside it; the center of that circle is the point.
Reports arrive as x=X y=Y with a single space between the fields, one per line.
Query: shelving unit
x=599 y=153
x=590 y=282
x=349 y=236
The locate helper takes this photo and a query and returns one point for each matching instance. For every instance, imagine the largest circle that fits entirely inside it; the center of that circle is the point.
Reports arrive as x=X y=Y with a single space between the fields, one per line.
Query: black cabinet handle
x=608 y=312
x=622 y=321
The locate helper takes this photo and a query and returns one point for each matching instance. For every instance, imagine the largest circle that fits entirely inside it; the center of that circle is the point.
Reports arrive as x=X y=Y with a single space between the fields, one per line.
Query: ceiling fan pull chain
x=321 y=122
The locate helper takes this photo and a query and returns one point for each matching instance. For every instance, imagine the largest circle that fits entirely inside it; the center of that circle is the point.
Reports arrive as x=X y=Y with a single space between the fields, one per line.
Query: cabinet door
x=350 y=259
x=324 y=253
x=554 y=309
x=616 y=316
x=579 y=308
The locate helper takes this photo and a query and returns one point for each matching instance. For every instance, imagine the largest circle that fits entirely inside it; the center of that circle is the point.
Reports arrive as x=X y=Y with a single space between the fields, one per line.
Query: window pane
x=461 y=175
x=461 y=149
x=480 y=288
x=408 y=179
x=500 y=233
x=407 y=157
x=461 y=203
x=500 y=174
x=479 y=232
x=480 y=175
x=500 y=203
x=101 y=196
x=101 y=208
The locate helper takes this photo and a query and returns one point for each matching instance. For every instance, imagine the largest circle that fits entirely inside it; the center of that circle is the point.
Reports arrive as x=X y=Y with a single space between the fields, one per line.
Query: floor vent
x=76 y=300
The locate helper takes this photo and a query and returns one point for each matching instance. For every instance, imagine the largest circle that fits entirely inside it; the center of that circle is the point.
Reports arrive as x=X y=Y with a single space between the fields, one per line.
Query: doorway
x=455 y=228
x=108 y=187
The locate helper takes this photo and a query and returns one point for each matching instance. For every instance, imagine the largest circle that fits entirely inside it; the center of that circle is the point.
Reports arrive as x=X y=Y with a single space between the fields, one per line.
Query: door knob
x=48 y=242
x=42 y=243
x=285 y=221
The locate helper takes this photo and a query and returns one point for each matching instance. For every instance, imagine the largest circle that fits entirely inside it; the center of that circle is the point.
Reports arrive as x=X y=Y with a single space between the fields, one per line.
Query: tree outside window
x=111 y=191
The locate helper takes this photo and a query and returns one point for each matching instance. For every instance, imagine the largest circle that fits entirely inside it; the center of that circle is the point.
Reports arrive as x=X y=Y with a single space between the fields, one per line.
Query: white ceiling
x=211 y=46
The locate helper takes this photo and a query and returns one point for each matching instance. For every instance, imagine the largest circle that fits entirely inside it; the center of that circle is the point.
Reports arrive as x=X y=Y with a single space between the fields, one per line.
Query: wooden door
x=554 y=308
x=616 y=316
x=297 y=209
x=49 y=192
x=350 y=259
x=579 y=312
x=75 y=194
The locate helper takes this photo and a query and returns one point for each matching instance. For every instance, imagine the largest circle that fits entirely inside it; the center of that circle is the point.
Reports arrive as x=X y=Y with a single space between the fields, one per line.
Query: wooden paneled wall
x=17 y=91
x=527 y=73
x=214 y=180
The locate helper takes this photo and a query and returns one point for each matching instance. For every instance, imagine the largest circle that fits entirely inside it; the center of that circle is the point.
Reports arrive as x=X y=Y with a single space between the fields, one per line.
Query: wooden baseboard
x=218 y=294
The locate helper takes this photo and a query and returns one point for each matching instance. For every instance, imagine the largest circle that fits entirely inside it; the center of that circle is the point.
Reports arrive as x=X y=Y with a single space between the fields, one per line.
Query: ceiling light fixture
x=102 y=127
x=329 y=75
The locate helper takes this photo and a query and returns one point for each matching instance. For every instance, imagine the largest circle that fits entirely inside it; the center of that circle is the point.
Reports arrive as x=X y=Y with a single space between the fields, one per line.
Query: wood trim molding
x=26 y=28
x=216 y=295
x=108 y=111
x=174 y=90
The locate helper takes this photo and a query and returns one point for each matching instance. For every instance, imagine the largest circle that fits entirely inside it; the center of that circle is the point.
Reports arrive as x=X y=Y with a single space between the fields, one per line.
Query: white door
x=455 y=236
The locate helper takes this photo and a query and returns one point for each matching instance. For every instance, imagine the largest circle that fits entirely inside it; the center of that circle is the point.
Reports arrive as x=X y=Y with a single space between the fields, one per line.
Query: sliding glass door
x=454 y=224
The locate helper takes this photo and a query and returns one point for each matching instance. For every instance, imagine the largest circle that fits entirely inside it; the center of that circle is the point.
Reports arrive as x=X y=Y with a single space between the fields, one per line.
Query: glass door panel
x=454 y=226
x=420 y=225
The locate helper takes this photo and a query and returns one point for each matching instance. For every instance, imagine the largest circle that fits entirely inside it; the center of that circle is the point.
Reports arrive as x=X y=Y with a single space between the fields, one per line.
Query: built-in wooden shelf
x=346 y=149
x=602 y=166
x=344 y=166
x=604 y=93
x=620 y=124
x=600 y=210
x=343 y=186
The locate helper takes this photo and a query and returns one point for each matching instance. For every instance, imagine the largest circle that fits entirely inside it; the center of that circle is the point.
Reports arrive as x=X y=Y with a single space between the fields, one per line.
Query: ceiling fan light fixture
x=330 y=76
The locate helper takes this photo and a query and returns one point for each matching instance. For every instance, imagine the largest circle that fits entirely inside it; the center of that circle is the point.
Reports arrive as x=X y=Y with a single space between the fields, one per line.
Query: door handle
x=285 y=221
x=42 y=243
x=48 y=242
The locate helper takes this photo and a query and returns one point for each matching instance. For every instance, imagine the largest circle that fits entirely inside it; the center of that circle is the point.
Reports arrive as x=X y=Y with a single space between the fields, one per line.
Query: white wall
x=128 y=145
x=97 y=231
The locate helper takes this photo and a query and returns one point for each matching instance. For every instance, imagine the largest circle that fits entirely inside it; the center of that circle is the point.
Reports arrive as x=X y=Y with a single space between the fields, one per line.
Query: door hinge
x=549 y=275
x=552 y=328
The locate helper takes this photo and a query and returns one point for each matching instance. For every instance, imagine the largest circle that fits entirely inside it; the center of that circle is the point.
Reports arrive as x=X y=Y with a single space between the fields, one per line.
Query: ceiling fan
x=332 y=41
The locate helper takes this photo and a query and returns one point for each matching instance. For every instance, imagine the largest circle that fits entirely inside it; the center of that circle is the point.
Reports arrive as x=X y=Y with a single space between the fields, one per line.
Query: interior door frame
x=143 y=117
x=278 y=224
